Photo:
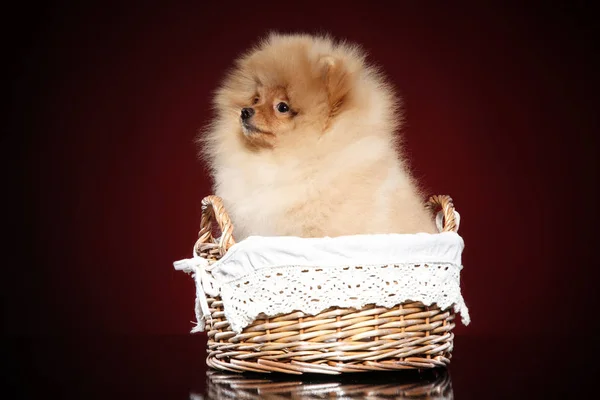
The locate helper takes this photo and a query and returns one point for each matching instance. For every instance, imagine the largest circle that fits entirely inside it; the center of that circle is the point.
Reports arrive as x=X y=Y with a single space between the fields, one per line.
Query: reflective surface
x=173 y=367
x=431 y=385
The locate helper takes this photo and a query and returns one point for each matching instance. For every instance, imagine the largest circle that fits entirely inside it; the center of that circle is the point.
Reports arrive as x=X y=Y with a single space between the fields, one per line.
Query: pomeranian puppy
x=304 y=144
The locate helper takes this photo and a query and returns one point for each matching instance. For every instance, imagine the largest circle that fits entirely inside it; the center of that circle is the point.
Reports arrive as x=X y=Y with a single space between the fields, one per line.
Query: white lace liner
x=279 y=275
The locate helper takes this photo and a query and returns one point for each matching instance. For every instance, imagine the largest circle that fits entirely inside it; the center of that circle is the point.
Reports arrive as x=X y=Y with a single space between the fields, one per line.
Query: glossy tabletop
x=173 y=367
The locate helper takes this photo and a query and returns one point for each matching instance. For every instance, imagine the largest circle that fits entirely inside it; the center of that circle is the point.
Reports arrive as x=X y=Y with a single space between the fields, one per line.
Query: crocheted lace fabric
x=279 y=275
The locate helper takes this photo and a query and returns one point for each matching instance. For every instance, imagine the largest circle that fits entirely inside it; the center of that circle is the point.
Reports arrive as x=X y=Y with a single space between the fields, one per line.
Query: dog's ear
x=337 y=81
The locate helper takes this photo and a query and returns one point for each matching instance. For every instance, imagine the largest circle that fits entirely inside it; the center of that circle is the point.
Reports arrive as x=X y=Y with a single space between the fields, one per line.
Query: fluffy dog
x=304 y=143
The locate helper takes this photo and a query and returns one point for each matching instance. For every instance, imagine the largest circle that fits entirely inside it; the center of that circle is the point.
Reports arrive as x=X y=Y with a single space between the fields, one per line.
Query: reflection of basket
x=435 y=386
x=408 y=336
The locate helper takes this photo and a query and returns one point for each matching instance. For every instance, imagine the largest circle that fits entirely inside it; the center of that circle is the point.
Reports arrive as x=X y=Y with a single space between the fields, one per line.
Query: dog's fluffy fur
x=327 y=166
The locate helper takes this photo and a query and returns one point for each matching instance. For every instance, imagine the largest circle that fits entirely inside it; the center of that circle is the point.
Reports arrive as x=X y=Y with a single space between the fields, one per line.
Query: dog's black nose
x=247 y=113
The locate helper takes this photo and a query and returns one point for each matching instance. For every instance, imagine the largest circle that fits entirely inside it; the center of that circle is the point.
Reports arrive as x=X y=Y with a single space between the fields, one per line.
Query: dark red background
x=501 y=107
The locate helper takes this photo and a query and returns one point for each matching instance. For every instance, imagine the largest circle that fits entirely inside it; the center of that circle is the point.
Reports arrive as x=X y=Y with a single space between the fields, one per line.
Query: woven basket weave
x=407 y=336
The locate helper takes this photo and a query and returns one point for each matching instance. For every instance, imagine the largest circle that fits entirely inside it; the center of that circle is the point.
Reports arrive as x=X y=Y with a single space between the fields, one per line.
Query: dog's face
x=269 y=114
x=283 y=91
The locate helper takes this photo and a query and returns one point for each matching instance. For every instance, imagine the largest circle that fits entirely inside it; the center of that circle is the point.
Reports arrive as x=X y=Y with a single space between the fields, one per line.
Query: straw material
x=407 y=336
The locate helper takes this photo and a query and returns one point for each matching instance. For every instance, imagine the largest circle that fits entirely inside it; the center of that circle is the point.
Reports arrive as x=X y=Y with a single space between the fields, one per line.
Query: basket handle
x=213 y=209
x=447 y=207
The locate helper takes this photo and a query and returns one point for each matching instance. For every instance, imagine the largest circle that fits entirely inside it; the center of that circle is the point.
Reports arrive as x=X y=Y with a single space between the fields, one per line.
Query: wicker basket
x=407 y=336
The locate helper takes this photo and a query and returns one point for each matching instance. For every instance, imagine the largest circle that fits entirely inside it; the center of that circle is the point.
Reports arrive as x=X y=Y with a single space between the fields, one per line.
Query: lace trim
x=282 y=290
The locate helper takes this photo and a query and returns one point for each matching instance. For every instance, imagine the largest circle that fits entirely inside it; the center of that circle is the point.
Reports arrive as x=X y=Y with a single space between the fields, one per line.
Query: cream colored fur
x=334 y=169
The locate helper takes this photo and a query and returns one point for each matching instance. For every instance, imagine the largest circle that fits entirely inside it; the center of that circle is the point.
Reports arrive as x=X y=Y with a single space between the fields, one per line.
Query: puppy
x=304 y=144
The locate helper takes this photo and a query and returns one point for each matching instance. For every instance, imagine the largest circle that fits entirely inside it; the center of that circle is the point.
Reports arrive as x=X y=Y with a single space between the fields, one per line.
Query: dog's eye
x=255 y=100
x=283 y=108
